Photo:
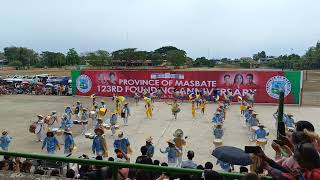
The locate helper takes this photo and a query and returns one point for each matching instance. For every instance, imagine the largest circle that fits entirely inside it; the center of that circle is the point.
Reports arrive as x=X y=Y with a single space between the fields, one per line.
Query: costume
x=261 y=137
x=113 y=122
x=68 y=142
x=218 y=132
x=68 y=111
x=179 y=143
x=172 y=153
x=65 y=122
x=122 y=143
x=41 y=134
x=125 y=113
x=148 y=108
x=77 y=110
x=203 y=106
x=217 y=118
x=99 y=146
x=54 y=118
x=175 y=109
x=193 y=110
x=84 y=121
x=94 y=115
x=51 y=143
x=118 y=107
x=5 y=141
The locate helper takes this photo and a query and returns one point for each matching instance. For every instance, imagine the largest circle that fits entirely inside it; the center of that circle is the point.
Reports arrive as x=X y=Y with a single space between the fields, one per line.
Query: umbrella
x=49 y=84
x=232 y=155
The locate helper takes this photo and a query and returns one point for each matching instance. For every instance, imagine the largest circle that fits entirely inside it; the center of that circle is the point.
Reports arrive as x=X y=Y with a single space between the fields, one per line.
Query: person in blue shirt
x=125 y=113
x=261 y=134
x=5 y=141
x=68 y=142
x=150 y=147
x=68 y=111
x=247 y=116
x=51 y=143
x=77 y=110
x=172 y=152
x=253 y=121
x=84 y=121
x=216 y=118
x=99 y=145
x=225 y=166
x=122 y=143
x=65 y=122
x=218 y=131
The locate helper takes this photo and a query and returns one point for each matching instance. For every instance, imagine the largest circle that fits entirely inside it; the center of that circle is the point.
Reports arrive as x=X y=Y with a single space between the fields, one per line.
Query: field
x=18 y=111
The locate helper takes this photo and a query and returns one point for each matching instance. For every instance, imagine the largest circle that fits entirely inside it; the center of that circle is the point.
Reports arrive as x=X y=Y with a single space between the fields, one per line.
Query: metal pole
x=115 y=173
x=280 y=110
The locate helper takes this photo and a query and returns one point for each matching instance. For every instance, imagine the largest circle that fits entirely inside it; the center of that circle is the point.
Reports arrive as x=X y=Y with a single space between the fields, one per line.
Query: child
x=113 y=122
x=193 y=109
x=68 y=142
x=51 y=142
x=99 y=145
x=172 y=153
x=118 y=108
x=148 y=107
x=125 y=113
x=5 y=141
x=174 y=108
x=203 y=105
x=218 y=131
x=242 y=107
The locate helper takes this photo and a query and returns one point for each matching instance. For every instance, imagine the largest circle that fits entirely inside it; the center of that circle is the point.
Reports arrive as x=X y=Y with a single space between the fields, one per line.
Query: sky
x=210 y=28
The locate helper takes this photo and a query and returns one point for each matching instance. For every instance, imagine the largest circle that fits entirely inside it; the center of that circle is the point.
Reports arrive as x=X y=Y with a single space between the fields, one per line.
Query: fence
x=117 y=165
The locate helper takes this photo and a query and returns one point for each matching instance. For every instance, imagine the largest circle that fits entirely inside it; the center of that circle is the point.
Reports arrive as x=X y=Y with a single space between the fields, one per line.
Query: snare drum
x=261 y=141
x=92 y=114
x=217 y=142
x=254 y=128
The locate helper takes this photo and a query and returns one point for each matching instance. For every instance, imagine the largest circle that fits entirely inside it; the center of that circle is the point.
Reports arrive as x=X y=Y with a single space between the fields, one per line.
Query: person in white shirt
x=189 y=163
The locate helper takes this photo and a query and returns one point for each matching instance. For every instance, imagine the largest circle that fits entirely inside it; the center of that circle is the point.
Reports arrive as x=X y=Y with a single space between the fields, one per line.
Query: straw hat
x=64 y=115
x=84 y=109
x=4 y=132
x=289 y=114
x=78 y=101
x=178 y=133
x=217 y=113
x=39 y=116
x=126 y=103
x=254 y=113
x=250 y=109
x=170 y=141
x=54 y=112
x=149 y=139
x=99 y=129
x=261 y=126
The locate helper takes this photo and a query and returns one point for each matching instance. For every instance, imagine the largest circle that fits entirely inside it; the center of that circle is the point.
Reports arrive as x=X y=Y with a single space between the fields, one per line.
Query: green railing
x=117 y=165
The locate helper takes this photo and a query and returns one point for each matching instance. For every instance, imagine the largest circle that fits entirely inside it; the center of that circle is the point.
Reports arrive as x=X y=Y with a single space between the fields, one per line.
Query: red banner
x=126 y=83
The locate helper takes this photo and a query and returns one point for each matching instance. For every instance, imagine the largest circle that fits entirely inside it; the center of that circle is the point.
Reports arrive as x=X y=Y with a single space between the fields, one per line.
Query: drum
x=92 y=114
x=38 y=129
x=102 y=111
x=32 y=127
x=87 y=135
x=261 y=141
x=47 y=119
x=217 y=142
x=76 y=122
x=254 y=128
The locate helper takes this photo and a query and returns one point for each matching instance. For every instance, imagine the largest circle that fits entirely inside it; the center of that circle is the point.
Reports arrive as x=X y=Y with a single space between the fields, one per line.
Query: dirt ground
x=18 y=111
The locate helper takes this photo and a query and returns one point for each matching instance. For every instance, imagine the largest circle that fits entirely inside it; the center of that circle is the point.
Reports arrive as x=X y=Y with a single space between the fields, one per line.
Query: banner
x=265 y=84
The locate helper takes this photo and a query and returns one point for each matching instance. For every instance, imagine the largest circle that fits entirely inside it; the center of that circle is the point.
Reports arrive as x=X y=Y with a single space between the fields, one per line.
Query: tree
x=53 y=59
x=259 y=55
x=163 y=51
x=98 y=58
x=203 y=62
x=16 y=64
x=2 y=56
x=176 y=57
x=72 y=57
x=24 y=55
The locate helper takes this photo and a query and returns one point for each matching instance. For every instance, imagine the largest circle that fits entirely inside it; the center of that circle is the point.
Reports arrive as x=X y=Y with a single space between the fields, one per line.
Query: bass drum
x=32 y=127
x=38 y=128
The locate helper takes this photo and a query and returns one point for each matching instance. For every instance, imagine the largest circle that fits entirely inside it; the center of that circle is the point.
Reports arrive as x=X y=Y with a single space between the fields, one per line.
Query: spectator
x=26 y=166
x=4 y=165
x=200 y=167
x=131 y=174
x=99 y=172
x=211 y=175
x=70 y=173
x=208 y=166
x=55 y=172
x=189 y=163
x=301 y=125
x=121 y=156
x=150 y=147
x=250 y=176
x=144 y=159
x=164 y=164
x=156 y=162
